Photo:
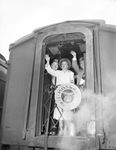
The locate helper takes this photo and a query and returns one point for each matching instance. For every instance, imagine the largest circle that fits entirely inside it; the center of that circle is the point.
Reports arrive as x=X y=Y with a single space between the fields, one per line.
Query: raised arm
x=74 y=62
x=48 y=67
x=47 y=58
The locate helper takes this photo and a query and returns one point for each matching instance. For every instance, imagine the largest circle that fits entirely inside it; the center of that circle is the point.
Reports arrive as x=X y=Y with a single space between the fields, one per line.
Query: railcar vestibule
x=57 y=47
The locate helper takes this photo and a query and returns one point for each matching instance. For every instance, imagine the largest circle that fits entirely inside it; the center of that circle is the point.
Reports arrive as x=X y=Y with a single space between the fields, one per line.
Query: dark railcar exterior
x=3 y=74
x=22 y=119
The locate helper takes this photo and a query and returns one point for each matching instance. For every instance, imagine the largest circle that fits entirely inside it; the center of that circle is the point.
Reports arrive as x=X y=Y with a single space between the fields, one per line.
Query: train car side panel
x=18 y=91
x=107 y=39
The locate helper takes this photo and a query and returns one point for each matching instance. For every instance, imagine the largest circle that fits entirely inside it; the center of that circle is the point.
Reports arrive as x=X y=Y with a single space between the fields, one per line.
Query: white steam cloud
x=95 y=116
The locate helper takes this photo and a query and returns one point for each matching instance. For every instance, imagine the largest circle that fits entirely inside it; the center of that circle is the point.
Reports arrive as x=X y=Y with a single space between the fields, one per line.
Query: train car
x=30 y=97
x=3 y=74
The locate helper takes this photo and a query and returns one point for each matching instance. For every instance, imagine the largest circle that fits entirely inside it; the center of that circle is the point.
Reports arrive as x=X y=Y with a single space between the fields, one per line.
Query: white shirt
x=62 y=77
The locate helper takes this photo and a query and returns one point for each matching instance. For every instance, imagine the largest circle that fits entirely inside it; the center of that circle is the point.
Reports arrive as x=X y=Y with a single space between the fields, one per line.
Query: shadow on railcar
x=28 y=121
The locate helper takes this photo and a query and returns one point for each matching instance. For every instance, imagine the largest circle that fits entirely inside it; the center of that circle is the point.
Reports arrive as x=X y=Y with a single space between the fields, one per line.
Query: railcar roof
x=87 y=23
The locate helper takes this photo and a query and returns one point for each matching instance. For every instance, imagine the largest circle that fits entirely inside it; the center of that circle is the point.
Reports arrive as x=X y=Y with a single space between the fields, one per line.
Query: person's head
x=65 y=64
x=81 y=62
x=54 y=64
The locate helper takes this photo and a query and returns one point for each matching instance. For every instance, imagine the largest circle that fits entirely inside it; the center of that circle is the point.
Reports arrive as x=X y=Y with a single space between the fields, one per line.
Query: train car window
x=2 y=88
x=58 y=47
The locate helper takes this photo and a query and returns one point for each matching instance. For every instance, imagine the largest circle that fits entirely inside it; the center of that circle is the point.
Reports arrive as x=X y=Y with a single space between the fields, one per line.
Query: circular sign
x=67 y=96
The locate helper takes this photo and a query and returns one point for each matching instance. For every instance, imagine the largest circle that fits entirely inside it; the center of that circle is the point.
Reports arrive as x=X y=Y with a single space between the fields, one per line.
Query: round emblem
x=67 y=96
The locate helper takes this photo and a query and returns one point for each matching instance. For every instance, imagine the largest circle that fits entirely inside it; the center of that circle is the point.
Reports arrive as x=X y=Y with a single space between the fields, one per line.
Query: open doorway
x=58 y=47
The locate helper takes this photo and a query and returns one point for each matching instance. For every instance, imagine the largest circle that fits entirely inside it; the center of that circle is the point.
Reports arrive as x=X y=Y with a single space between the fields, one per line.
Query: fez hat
x=66 y=60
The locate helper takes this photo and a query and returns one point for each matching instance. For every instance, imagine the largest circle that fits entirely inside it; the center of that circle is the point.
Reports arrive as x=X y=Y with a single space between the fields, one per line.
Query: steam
x=93 y=108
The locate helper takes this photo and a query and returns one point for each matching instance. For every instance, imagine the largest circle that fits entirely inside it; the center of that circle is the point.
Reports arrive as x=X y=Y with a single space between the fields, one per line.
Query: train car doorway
x=60 y=46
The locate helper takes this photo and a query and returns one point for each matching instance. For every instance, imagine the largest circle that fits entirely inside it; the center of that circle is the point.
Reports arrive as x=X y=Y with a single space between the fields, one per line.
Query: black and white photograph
x=57 y=75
